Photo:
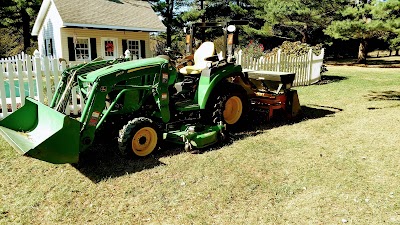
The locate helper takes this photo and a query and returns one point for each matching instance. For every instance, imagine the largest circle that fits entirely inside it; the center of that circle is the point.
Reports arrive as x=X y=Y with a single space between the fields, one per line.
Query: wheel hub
x=233 y=110
x=144 y=141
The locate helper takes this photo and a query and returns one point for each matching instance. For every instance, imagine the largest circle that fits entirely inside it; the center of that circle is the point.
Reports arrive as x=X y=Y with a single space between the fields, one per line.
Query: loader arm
x=46 y=133
x=131 y=84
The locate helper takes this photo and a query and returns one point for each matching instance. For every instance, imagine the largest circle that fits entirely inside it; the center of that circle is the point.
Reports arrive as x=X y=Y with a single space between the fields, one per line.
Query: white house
x=82 y=30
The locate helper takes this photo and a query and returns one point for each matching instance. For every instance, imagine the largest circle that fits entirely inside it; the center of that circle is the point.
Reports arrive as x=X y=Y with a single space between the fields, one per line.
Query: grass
x=339 y=163
x=376 y=61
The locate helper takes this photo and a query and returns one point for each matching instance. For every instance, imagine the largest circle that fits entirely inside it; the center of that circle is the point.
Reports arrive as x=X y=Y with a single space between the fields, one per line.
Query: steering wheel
x=173 y=54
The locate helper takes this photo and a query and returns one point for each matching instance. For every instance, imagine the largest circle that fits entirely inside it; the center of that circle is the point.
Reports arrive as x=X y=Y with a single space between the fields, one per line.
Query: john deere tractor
x=193 y=106
x=148 y=101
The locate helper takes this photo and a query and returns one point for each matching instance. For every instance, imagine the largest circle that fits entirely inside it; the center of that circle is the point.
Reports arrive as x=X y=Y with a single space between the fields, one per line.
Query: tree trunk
x=397 y=52
x=304 y=39
x=170 y=10
x=203 y=19
x=362 y=52
x=304 y=34
x=26 y=29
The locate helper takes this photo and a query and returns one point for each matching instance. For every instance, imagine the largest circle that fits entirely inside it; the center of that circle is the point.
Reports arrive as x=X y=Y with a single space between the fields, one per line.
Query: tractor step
x=187 y=105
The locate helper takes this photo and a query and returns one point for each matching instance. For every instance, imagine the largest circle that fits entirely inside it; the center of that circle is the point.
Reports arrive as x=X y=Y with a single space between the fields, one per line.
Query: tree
x=389 y=13
x=19 y=17
x=167 y=9
x=217 y=10
x=362 y=21
x=9 y=43
x=294 y=19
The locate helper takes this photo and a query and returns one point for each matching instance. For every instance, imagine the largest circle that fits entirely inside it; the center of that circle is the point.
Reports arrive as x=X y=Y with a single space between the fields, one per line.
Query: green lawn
x=340 y=163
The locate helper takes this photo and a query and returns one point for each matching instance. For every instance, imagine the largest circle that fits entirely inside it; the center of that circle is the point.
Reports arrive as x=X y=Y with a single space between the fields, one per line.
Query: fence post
x=239 y=57
x=38 y=73
x=29 y=73
x=3 y=92
x=46 y=71
x=21 y=82
x=10 y=71
x=309 y=70
x=278 y=61
x=55 y=68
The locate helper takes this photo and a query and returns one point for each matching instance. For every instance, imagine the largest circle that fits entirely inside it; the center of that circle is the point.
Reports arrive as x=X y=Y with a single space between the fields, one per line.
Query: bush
x=254 y=49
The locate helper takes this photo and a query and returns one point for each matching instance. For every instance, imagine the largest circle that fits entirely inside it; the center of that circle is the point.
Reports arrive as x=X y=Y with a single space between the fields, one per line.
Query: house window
x=134 y=47
x=48 y=46
x=109 y=48
x=82 y=49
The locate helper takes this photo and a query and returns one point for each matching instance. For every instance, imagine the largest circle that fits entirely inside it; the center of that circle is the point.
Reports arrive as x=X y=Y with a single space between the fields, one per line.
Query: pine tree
x=294 y=19
x=389 y=13
x=218 y=11
x=363 y=21
x=19 y=16
x=171 y=18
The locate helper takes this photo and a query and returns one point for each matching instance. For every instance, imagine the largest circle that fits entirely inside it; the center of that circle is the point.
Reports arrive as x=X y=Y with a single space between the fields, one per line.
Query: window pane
x=134 y=47
x=82 y=49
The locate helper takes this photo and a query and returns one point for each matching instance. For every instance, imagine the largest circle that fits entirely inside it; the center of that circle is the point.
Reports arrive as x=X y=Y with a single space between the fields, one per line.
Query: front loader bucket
x=39 y=131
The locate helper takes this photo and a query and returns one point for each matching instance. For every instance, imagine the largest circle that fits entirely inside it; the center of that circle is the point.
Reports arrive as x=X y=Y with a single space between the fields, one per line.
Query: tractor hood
x=125 y=67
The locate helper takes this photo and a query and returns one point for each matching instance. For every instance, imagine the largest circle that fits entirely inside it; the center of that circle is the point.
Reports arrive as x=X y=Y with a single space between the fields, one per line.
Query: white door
x=109 y=48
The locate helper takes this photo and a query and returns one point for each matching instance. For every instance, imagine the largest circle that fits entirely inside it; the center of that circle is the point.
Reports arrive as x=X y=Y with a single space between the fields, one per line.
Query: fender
x=209 y=82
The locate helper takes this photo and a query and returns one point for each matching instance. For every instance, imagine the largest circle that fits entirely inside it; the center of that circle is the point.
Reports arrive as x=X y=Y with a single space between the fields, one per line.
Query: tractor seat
x=205 y=50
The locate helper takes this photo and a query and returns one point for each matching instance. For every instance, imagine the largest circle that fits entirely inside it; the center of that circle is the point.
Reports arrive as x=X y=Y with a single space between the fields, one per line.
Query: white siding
x=51 y=29
x=98 y=34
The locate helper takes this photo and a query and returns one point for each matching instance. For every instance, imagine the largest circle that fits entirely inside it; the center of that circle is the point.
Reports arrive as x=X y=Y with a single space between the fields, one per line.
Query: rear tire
x=139 y=137
x=229 y=105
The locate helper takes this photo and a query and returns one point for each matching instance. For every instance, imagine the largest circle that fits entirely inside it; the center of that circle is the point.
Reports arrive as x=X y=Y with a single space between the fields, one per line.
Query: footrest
x=186 y=106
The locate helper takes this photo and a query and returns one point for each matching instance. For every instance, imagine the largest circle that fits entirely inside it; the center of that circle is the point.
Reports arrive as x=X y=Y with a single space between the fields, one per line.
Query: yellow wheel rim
x=144 y=141
x=233 y=110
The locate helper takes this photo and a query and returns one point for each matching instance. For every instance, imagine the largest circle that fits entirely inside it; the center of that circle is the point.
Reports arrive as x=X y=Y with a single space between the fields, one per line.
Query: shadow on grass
x=383 y=96
x=380 y=62
x=327 y=79
x=102 y=161
x=256 y=127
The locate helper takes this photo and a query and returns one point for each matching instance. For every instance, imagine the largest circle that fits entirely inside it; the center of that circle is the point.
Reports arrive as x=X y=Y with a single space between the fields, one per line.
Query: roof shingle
x=116 y=14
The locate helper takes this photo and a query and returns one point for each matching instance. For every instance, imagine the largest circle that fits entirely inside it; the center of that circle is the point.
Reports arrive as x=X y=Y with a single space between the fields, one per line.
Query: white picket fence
x=24 y=75
x=37 y=77
x=307 y=67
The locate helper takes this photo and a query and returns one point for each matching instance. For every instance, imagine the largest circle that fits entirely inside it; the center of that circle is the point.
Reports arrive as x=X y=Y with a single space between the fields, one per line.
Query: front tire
x=139 y=137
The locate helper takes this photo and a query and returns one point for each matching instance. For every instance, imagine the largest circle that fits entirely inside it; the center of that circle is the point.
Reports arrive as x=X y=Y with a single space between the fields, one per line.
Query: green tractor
x=155 y=102
x=150 y=101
